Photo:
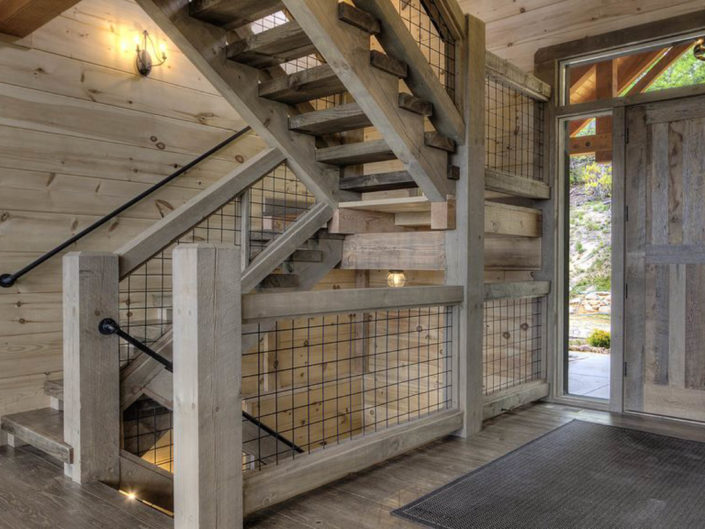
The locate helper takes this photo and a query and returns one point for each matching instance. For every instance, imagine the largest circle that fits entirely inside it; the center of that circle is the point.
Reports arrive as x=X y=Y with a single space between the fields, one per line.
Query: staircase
x=378 y=115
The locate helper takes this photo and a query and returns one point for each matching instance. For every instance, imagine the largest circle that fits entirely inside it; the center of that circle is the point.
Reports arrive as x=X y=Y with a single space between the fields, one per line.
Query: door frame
x=550 y=66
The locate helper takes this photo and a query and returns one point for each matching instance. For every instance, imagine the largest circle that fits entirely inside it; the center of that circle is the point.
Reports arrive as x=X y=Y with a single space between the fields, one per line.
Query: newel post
x=91 y=367
x=207 y=401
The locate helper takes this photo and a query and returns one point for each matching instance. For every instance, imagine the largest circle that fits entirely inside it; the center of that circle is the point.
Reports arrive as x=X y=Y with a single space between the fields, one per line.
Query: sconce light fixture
x=699 y=49
x=145 y=63
x=396 y=278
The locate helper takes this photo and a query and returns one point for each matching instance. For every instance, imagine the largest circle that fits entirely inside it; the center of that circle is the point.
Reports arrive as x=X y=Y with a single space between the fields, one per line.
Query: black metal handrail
x=7 y=280
x=270 y=431
x=109 y=326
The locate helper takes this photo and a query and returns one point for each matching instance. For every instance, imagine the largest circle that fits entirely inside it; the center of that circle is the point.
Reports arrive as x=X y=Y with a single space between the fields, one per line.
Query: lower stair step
x=43 y=429
x=330 y=121
x=55 y=389
x=378 y=182
x=302 y=86
x=356 y=153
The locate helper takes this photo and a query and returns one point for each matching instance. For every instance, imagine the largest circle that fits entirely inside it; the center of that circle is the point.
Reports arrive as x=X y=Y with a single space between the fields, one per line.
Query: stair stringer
x=205 y=46
x=347 y=50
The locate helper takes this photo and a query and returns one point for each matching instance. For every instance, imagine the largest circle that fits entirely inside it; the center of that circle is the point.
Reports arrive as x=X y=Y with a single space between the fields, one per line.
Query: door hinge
x=626 y=135
x=626 y=290
x=625 y=369
x=626 y=213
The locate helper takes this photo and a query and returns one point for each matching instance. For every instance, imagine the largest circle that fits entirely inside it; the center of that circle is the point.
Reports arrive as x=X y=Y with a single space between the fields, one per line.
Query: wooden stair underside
x=43 y=429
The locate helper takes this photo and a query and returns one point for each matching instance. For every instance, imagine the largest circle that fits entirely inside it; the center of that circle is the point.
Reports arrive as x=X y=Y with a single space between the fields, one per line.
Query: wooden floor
x=364 y=500
x=34 y=493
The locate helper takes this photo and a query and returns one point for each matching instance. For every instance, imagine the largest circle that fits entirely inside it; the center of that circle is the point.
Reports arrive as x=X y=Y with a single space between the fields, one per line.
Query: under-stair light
x=145 y=63
x=699 y=49
x=396 y=278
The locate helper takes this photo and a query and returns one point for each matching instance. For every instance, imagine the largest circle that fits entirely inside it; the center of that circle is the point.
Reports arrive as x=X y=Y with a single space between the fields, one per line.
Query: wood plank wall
x=80 y=133
x=517 y=29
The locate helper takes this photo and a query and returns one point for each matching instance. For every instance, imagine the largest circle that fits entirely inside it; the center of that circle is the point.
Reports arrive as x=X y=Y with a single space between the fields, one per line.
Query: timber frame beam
x=19 y=18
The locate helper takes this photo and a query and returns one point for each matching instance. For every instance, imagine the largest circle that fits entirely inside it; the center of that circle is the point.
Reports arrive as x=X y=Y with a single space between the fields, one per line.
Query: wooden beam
x=517 y=186
x=207 y=378
x=517 y=290
x=259 y=307
x=350 y=221
x=396 y=39
x=91 y=367
x=162 y=233
x=19 y=18
x=506 y=400
x=423 y=250
x=525 y=82
x=277 y=484
x=592 y=143
x=666 y=60
x=505 y=219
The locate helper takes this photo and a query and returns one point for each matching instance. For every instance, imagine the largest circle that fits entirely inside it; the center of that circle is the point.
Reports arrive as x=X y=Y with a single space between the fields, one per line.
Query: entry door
x=665 y=259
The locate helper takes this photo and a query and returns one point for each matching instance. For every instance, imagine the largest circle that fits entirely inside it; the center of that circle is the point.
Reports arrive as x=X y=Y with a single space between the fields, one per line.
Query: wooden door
x=665 y=259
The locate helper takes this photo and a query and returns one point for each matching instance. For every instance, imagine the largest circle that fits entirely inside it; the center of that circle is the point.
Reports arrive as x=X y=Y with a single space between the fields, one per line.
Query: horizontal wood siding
x=80 y=133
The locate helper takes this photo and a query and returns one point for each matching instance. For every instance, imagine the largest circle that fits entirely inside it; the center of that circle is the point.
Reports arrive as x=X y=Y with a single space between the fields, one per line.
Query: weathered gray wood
x=42 y=429
x=257 y=307
x=330 y=120
x=517 y=290
x=91 y=367
x=276 y=253
x=271 y=47
x=503 y=401
x=280 y=281
x=148 y=481
x=438 y=141
x=230 y=14
x=397 y=41
x=356 y=153
x=204 y=45
x=466 y=247
x=317 y=82
x=695 y=328
x=395 y=251
x=524 y=82
x=388 y=64
x=207 y=378
x=164 y=232
x=346 y=50
x=378 y=182
x=358 y=18
x=515 y=185
x=271 y=486
x=415 y=104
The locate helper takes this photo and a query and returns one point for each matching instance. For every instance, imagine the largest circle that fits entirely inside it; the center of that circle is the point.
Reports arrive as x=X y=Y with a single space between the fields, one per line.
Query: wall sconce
x=699 y=49
x=396 y=278
x=145 y=62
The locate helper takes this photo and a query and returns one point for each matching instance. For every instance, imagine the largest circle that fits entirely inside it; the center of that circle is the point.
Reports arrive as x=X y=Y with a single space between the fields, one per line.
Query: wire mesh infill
x=320 y=381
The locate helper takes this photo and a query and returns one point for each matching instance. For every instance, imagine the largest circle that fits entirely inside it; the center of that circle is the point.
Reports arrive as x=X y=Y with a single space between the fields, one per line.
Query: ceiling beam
x=19 y=18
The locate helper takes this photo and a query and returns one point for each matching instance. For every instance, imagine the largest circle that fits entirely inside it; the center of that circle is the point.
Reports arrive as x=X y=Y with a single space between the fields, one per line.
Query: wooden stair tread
x=229 y=14
x=54 y=388
x=388 y=64
x=280 y=281
x=272 y=47
x=43 y=429
x=390 y=205
x=415 y=104
x=356 y=153
x=303 y=86
x=438 y=141
x=378 y=182
x=306 y=256
x=330 y=121
x=358 y=18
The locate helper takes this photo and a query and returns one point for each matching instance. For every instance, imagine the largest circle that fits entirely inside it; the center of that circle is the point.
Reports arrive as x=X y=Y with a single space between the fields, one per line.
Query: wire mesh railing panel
x=320 y=381
x=148 y=433
x=512 y=352
x=433 y=37
x=275 y=202
x=514 y=124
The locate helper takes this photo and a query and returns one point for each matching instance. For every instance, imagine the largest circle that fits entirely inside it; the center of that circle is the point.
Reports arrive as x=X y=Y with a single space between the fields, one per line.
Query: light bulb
x=396 y=278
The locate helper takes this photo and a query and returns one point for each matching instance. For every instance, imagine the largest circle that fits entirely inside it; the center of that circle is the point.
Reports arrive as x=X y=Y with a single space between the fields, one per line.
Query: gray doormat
x=579 y=476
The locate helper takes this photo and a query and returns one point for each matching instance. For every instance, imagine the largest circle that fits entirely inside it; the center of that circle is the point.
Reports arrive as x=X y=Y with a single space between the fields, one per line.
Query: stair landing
x=35 y=494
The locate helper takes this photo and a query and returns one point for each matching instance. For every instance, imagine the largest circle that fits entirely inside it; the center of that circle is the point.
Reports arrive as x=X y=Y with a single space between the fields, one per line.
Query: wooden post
x=91 y=367
x=465 y=244
x=207 y=380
